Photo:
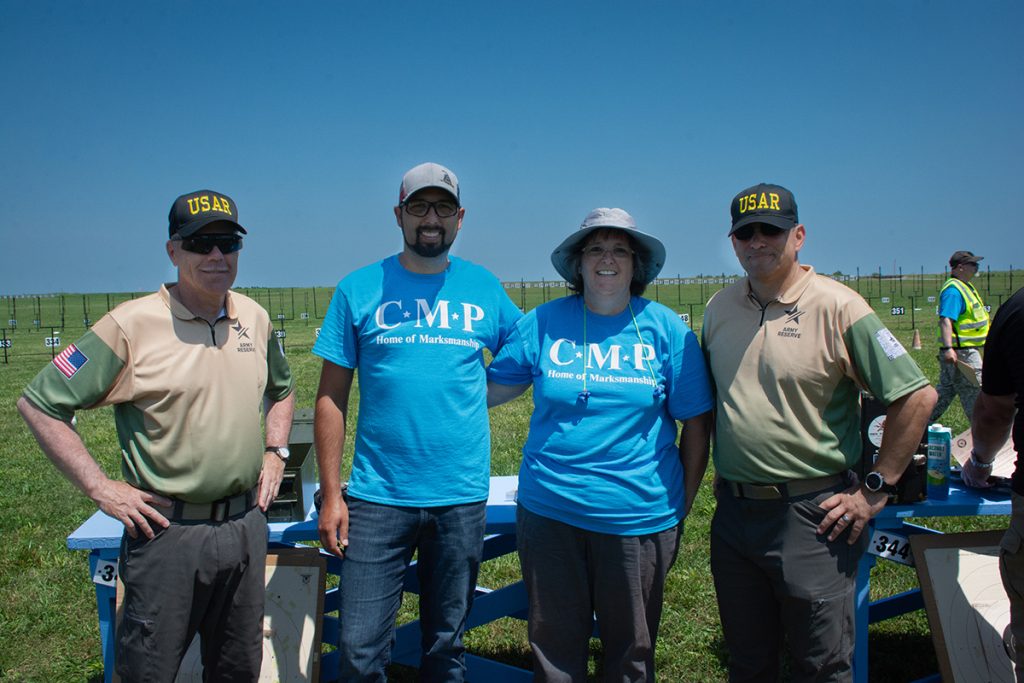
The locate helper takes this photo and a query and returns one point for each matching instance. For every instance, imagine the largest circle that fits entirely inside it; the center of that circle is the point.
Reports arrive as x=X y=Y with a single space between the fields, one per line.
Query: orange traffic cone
x=916 y=344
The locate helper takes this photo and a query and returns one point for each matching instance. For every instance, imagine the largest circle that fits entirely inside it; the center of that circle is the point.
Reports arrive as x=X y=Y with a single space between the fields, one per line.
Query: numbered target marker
x=891 y=546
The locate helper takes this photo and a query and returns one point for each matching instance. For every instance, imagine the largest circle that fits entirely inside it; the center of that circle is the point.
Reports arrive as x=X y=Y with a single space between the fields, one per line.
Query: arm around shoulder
x=503 y=393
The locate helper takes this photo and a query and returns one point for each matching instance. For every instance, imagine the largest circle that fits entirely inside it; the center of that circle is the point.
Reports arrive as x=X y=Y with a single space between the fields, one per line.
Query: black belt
x=784 y=490
x=217 y=511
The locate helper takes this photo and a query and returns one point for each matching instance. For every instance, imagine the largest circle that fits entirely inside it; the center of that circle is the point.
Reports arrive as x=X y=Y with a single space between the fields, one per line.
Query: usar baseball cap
x=764 y=203
x=193 y=211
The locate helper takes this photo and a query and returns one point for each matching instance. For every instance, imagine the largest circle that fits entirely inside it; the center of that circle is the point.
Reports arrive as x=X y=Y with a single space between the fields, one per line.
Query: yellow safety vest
x=971 y=328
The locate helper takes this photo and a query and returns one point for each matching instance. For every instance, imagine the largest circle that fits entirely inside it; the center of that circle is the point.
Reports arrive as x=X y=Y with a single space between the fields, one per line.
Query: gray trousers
x=776 y=579
x=573 y=575
x=194 y=577
x=952 y=383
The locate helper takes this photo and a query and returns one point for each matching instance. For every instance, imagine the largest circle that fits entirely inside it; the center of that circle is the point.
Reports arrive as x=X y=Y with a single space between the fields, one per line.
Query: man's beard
x=429 y=250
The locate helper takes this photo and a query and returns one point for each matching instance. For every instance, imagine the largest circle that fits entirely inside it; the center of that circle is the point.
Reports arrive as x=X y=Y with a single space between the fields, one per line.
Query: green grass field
x=48 y=629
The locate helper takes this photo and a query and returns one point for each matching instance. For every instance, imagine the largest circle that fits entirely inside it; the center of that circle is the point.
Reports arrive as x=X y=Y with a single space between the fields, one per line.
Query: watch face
x=284 y=452
x=874 y=481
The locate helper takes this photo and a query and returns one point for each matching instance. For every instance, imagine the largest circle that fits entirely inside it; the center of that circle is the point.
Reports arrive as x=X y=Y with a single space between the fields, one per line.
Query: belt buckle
x=764 y=491
x=219 y=510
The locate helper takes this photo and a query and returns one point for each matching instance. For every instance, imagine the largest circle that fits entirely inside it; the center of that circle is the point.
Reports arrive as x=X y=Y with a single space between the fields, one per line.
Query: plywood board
x=968 y=610
x=292 y=621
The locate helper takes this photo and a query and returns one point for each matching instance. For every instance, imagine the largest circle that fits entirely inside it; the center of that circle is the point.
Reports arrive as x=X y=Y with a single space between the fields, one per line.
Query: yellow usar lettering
x=775 y=202
x=762 y=203
x=216 y=204
x=193 y=205
x=226 y=204
x=204 y=203
x=748 y=203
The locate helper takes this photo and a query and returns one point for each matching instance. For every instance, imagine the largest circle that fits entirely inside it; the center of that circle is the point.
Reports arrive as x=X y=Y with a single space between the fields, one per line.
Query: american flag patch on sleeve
x=70 y=360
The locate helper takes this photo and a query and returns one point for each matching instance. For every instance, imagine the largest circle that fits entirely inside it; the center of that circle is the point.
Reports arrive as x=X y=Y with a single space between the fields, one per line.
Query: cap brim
x=561 y=257
x=195 y=226
x=777 y=221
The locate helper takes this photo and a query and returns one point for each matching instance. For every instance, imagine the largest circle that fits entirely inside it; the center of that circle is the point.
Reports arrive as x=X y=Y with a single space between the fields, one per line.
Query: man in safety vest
x=963 y=326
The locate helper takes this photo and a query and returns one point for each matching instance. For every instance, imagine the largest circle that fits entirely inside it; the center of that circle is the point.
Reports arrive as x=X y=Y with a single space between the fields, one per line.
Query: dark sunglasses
x=745 y=233
x=204 y=244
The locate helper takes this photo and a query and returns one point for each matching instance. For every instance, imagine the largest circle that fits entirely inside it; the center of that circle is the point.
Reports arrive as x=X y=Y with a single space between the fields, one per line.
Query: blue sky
x=898 y=125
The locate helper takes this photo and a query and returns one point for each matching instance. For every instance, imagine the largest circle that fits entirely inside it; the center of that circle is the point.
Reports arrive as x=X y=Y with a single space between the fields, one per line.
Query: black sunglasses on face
x=745 y=233
x=204 y=244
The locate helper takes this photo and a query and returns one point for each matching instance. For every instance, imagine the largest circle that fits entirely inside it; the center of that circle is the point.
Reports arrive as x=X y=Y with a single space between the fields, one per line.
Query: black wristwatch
x=280 y=451
x=875 y=482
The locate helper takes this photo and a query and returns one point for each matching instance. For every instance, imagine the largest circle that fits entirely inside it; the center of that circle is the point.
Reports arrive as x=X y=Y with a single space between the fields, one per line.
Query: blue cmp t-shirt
x=609 y=464
x=423 y=436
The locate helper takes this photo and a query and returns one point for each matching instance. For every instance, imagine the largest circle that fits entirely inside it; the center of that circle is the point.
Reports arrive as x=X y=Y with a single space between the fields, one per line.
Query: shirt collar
x=180 y=311
x=793 y=293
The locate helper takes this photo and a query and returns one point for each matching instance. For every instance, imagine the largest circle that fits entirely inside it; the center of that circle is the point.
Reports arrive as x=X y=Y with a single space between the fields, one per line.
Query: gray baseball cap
x=561 y=257
x=428 y=175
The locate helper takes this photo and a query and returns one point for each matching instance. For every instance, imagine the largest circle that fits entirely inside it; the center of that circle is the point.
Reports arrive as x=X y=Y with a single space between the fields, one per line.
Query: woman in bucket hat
x=603 y=487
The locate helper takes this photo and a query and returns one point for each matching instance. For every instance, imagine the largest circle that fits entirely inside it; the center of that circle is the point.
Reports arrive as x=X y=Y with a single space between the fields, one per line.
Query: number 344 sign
x=889 y=545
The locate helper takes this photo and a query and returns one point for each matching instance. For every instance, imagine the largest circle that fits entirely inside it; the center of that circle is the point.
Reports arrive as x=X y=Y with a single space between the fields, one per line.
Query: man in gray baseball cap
x=415 y=325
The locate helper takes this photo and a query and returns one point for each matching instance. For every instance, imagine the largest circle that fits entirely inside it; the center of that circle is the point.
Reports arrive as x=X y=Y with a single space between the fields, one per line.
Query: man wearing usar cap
x=790 y=352
x=963 y=327
x=185 y=370
x=415 y=325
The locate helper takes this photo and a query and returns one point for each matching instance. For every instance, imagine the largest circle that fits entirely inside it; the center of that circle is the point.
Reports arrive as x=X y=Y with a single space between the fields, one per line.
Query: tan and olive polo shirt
x=187 y=395
x=788 y=376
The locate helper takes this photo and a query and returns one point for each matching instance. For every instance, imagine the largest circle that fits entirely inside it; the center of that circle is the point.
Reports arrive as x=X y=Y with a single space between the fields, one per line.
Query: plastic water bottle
x=940 y=443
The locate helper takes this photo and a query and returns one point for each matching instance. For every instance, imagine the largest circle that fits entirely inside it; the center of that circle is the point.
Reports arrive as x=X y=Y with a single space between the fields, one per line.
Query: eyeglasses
x=443 y=208
x=745 y=233
x=618 y=253
x=204 y=244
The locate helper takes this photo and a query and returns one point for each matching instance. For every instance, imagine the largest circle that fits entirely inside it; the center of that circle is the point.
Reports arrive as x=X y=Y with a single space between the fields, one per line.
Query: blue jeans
x=382 y=539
